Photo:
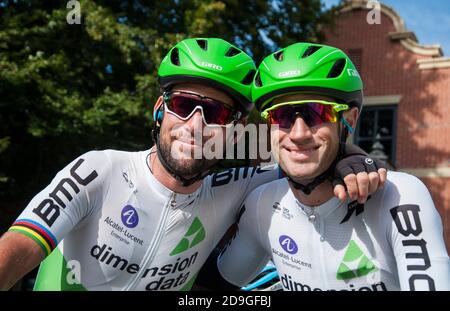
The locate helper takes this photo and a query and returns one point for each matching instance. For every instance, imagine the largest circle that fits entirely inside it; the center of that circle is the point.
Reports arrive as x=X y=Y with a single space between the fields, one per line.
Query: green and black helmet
x=310 y=68
x=213 y=62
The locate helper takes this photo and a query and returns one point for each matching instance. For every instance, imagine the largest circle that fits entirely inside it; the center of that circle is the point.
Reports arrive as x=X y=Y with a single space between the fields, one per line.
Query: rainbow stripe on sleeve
x=44 y=238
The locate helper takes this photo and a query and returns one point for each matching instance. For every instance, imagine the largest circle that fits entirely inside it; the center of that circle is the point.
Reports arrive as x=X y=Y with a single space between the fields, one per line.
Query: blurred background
x=71 y=83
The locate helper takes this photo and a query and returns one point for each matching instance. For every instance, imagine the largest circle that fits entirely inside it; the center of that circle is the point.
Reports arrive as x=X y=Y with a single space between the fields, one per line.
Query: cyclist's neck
x=165 y=178
x=321 y=194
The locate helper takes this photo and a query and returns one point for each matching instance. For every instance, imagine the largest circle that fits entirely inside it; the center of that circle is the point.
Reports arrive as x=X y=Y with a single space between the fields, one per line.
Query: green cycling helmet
x=213 y=62
x=311 y=68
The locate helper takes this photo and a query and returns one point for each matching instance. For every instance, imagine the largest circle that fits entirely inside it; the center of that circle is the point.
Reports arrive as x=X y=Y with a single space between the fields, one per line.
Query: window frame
x=393 y=136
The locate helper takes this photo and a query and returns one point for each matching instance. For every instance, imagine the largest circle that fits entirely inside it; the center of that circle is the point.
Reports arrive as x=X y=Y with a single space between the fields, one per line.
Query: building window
x=377 y=124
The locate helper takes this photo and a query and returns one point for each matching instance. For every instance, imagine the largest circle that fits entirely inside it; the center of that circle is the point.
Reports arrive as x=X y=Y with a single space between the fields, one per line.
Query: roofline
x=407 y=38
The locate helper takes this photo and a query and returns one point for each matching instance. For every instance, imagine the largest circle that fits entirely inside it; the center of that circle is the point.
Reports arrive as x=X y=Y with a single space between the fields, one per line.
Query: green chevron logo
x=195 y=234
x=355 y=263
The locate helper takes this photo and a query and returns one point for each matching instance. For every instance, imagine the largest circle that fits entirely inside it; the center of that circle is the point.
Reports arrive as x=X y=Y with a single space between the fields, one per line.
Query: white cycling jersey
x=110 y=225
x=394 y=241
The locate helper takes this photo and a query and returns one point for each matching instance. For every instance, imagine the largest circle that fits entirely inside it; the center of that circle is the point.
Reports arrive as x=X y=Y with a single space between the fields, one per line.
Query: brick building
x=406 y=95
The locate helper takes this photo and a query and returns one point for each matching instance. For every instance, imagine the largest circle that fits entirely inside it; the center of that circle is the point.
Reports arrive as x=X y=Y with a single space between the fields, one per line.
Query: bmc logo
x=50 y=208
x=353 y=73
x=288 y=244
x=407 y=220
x=213 y=66
x=289 y=73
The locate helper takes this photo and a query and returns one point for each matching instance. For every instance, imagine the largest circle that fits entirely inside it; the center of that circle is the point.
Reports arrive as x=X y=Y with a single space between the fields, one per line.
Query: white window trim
x=381 y=100
x=433 y=172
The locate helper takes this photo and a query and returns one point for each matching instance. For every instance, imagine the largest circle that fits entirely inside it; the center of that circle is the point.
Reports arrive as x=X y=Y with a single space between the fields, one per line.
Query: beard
x=185 y=167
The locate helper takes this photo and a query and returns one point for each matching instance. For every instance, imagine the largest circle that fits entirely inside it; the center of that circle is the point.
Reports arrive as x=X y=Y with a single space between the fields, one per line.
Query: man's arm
x=360 y=179
x=52 y=214
x=19 y=255
x=356 y=173
x=416 y=236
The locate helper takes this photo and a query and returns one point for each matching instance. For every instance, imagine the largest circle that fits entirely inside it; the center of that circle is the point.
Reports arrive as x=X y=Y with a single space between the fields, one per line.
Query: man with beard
x=115 y=220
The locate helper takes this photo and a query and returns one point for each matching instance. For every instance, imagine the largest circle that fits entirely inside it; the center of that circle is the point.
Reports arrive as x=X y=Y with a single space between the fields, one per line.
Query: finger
x=343 y=169
x=374 y=182
x=337 y=181
x=352 y=186
x=359 y=168
x=363 y=186
x=339 y=192
x=383 y=176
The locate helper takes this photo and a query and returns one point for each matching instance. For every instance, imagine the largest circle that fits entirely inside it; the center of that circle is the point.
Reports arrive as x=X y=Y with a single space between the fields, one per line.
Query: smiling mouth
x=301 y=154
x=303 y=150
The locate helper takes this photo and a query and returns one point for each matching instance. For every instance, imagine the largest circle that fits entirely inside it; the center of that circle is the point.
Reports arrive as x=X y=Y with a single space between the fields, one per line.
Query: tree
x=68 y=88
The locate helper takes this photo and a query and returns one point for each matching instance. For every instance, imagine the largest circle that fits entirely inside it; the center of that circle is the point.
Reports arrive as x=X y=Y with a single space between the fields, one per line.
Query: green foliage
x=69 y=88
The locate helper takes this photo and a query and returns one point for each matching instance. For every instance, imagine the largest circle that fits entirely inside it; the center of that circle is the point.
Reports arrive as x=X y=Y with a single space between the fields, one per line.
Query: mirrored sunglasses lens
x=283 y=116
x=213 y=112
x=182 y=105
x=216 y=113
x=320 y=113
x=312 y=114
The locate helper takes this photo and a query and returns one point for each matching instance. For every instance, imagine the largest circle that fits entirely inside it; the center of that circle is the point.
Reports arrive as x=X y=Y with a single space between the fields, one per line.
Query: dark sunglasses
x=214 y=112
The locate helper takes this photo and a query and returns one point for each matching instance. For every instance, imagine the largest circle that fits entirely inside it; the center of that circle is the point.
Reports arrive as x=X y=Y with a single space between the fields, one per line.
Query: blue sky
x=429 y=19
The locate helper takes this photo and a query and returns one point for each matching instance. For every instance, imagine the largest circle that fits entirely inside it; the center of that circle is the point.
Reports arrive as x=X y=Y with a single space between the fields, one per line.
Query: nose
x=300 y=130
x=196 y=119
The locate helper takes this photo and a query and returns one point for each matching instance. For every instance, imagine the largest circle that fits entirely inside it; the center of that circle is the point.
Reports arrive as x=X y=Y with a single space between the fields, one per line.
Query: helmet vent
x=311 y=50
x=337 y=68
x=203 y=44
x=249 y=77
x=175 y=57
x=232 y=51
x=278 y=55
x=258 y=82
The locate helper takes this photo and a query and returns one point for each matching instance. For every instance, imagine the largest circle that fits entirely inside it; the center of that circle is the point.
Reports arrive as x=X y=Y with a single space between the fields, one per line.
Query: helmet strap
x=308 y=188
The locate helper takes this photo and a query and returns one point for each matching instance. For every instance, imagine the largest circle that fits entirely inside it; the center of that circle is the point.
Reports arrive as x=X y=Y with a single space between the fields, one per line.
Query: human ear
x=350 y=118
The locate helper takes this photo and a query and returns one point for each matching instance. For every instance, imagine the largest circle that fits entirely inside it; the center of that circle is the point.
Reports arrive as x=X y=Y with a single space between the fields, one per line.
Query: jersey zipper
x=318 y=223
x=323 y=264
x=151 y=252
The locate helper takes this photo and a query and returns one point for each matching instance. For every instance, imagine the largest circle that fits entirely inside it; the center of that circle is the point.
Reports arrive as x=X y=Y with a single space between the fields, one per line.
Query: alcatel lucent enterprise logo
x=288 y=244
x=130 y=217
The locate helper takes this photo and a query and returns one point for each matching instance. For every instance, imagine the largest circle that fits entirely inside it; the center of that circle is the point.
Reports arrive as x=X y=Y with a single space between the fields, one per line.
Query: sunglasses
x=313 y=112
x=214 y=112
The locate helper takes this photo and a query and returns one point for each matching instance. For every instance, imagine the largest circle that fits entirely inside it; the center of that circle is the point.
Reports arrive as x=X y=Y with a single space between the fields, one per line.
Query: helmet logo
x=213 y=66
x=289 y=73
x=353 y=73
